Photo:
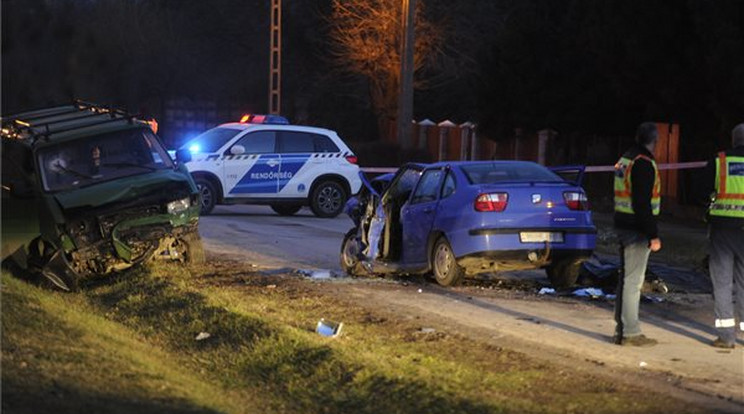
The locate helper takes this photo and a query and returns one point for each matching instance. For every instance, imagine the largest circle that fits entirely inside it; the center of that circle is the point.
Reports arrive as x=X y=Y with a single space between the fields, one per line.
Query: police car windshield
x=493 y=173
x=211 y=141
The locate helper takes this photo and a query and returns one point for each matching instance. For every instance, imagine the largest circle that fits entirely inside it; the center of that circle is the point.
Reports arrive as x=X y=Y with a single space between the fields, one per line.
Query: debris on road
x=591 y=292
x=318 y=274
x=202 y=336
x=546 y=291
x=596 y=272
x=427 y=330
x=652 y=299
x=329 y=328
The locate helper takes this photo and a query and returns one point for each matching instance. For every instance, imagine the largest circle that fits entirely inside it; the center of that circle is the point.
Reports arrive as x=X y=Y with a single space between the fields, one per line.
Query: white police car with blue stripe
x=264 y=160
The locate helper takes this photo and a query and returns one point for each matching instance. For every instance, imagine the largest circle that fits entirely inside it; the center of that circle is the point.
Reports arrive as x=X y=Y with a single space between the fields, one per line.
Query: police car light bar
x=264 y=119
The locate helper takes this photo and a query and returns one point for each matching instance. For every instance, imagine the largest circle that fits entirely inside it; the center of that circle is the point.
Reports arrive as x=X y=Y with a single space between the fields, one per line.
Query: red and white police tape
x=589 y=169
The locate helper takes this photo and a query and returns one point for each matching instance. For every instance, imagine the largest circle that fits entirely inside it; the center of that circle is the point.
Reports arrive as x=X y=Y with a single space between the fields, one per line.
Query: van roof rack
x=44 y=123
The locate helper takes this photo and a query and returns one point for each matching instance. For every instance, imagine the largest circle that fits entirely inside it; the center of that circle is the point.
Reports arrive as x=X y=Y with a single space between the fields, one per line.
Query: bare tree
x=366 y=38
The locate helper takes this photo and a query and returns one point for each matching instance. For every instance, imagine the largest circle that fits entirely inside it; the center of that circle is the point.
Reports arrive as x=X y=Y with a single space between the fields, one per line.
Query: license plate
x=540 y=237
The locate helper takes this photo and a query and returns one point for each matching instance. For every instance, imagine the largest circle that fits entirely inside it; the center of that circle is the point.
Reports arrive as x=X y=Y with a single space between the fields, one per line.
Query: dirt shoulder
x=577 y=333
x=570 y=332
x=391 y=319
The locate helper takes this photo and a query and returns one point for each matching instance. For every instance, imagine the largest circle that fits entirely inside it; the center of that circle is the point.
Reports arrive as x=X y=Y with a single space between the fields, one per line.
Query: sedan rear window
x=492 y=173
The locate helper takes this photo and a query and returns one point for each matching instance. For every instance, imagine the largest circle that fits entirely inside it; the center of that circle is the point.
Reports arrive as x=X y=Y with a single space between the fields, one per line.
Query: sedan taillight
x=576 y=200
x=491 y=202
x=352 y=159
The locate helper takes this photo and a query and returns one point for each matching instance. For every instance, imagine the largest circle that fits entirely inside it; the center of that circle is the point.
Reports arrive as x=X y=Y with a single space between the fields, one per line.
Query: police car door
x=252 y=166
x=299 y=166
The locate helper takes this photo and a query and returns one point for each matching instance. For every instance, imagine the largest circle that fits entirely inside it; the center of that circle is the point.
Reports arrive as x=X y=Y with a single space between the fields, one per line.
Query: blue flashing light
x=276 y=120
x=264 y=119
x=194 y=148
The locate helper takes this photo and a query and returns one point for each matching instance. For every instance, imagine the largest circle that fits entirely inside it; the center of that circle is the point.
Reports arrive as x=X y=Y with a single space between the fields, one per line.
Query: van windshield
x=86 y=161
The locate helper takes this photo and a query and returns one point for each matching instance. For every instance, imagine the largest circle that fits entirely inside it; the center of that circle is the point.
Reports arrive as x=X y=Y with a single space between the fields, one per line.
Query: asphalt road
x=257 y=234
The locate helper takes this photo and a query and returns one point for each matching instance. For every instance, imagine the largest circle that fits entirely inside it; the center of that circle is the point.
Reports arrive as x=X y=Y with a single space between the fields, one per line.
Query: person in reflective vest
x=637 y=204
x=725 y=181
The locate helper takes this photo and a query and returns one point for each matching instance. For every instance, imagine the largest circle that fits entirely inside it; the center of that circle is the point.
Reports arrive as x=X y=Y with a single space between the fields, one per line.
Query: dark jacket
x=710 y=187
x=642 y=179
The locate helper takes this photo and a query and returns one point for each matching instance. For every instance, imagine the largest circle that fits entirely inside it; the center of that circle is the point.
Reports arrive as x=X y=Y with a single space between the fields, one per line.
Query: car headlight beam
x=178 y=206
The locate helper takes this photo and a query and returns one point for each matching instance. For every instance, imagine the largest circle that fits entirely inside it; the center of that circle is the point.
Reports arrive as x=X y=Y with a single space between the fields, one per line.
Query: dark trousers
x=726 y=270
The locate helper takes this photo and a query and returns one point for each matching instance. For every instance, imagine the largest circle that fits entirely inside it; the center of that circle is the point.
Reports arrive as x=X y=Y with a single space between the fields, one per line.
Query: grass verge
x=61 y=355
x=262 y=352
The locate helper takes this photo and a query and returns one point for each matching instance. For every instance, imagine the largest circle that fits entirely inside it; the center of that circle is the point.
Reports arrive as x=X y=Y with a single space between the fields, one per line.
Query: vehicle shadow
x=661 y=315
x=13 y=268
x=522 y=316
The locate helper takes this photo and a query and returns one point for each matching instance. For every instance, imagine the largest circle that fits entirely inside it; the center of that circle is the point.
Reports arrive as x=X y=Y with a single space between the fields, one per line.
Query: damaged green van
x=89 y=190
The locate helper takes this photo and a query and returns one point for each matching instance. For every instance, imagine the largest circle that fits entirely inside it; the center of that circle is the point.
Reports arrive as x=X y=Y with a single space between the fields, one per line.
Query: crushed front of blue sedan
x=459 y=219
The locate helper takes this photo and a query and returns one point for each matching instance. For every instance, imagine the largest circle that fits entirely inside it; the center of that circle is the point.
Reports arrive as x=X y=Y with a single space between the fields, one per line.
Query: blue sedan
x=458 y=219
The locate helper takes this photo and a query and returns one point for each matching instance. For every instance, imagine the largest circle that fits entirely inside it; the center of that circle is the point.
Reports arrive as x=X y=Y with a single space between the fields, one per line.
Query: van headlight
x=178 y=206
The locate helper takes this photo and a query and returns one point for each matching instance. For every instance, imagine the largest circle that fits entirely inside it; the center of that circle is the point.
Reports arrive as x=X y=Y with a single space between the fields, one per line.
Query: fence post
x=466 y=129
x=475 y=146
x=543 y=139
x=444 y=128
x=424 y=132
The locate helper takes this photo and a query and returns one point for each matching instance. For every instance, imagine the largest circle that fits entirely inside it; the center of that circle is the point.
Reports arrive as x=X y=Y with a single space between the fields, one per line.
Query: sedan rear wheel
x=444 y=264
x=564 y=273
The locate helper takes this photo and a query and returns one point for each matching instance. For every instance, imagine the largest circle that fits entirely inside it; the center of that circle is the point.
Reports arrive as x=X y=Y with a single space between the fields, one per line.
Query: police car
x=264 y=160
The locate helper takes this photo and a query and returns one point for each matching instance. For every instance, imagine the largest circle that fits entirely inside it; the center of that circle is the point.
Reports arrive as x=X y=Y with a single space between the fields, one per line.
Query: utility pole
x=275 y=58
x=405 y=98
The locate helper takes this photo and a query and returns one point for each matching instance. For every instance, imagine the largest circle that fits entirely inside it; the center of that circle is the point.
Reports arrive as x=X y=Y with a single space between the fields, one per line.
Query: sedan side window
x=402 y=186
x=449 y=185
x=428 y=187
x=259 y=142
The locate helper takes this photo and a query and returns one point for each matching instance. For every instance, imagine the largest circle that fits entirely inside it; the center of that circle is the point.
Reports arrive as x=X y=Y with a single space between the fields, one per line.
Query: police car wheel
x=444 y=265
x=208 y=196
x=328 y=199
x=285 y=210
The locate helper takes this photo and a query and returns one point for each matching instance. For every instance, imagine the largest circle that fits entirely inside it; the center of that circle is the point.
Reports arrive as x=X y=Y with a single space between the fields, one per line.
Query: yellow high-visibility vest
x=729 y=201
x=623 y=187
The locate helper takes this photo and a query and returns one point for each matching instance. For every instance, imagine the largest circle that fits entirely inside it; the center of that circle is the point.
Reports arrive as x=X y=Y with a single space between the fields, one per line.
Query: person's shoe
x=638 y=340
x=720 y=343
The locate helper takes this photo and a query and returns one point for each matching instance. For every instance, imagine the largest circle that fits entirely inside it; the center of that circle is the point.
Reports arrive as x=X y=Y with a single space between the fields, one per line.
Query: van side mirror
x=183 y=156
